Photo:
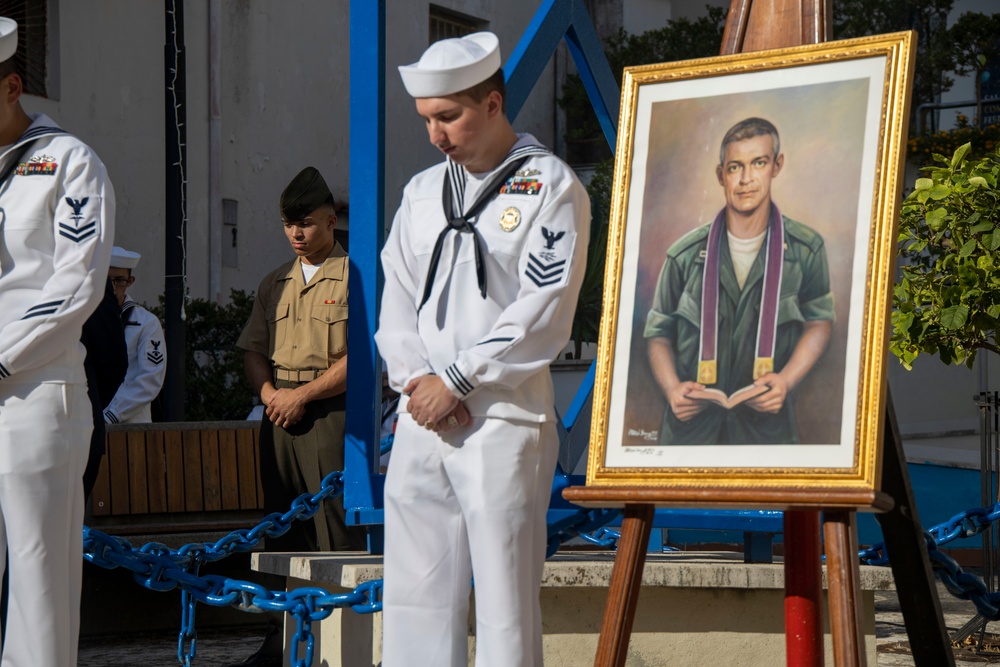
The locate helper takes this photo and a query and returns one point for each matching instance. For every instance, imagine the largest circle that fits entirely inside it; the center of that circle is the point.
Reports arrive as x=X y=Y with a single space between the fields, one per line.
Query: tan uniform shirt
x=299 y=326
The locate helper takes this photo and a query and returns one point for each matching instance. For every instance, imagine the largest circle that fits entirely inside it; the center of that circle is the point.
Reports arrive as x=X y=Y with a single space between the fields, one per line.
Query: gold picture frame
x=839 y=111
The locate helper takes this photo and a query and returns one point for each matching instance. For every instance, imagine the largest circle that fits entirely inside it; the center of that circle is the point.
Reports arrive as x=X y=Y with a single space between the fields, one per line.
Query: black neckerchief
x=24 y=143
x=467 y=223
x=12 y=165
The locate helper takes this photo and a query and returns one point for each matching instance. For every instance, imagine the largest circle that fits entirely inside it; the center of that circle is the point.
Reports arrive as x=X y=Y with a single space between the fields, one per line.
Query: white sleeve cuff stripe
x=459 y=380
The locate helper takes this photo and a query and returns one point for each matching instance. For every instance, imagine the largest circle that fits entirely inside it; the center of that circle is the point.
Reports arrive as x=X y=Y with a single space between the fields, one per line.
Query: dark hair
x=496 y=82
x=748 y=129
x=10 y=66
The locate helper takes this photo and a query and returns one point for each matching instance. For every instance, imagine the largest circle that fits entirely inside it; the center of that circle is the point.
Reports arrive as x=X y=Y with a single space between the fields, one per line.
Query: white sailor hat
x=123 y=259
x=8 y=38
x=452 y=65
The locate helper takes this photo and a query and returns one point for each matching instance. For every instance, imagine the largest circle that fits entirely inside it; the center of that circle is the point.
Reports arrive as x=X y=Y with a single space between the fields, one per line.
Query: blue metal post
x=555 y=20
x=362 y=484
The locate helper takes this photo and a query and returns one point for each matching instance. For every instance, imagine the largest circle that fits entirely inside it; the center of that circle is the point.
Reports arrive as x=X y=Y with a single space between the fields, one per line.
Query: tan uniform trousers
x=294 y=461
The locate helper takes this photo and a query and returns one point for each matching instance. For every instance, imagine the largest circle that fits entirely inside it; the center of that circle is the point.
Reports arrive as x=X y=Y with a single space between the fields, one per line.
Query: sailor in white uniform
x=57 y=210
x=147 y=355
x=483 y=266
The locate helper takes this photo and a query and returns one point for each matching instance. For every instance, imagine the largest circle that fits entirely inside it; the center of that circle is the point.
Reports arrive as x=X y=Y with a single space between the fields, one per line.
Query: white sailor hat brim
x=8 y=38
x=124 y=259
x=450 y=66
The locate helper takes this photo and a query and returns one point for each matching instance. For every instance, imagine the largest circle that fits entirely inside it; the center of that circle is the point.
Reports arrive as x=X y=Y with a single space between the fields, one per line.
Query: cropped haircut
x=748 y=129
x=479 y=91
x=9 y=66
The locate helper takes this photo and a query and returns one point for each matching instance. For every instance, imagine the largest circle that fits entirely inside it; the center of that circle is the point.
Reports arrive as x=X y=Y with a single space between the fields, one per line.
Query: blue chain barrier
x=385 y=444
x=581 y=524
x=187 y=634
x=957 y=581
x=157 y=567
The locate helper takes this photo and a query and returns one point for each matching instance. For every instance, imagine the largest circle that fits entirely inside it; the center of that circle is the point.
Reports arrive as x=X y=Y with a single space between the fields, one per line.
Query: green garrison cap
x=306 y=193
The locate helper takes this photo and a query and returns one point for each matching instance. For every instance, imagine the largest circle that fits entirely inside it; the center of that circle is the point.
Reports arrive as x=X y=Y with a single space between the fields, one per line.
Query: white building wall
x=285 y=104
x=285 y=95
x=407 y=148
x=638 y=16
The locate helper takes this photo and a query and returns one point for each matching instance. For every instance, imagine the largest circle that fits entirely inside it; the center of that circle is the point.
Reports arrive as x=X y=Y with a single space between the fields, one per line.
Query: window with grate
x=32 y=41
x=446 y=24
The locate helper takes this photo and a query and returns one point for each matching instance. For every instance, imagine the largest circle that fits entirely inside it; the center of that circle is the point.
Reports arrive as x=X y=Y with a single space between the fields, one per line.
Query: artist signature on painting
x=648 y=436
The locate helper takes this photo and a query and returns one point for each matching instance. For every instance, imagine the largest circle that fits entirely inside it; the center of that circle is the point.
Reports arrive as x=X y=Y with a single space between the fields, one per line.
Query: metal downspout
x=215 y=150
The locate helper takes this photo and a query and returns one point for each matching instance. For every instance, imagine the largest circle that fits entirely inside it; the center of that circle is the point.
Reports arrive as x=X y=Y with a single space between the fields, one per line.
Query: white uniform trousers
x=44 y=438
x=468 y=502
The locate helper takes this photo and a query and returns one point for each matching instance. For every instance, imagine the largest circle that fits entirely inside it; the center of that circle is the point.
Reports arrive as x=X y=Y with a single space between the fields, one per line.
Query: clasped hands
x=433 y=406
x=285 y=407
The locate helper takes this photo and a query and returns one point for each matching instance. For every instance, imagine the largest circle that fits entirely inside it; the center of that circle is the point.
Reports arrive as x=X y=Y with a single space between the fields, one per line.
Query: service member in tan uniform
x=296 y=358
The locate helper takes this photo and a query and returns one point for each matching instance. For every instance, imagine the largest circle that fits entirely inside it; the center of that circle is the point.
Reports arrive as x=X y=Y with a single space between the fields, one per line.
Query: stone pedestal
x=695 y=609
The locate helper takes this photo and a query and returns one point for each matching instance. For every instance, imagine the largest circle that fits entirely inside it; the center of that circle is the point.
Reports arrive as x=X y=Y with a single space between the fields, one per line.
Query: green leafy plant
x=936 y=47
x=974 y=36
x=587 y=319
x=921 y=148
x=679 y=39
x=947 y=301
x=215 y=386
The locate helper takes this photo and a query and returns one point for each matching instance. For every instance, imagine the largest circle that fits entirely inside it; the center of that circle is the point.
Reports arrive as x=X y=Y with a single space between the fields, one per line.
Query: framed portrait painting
x=751 y=259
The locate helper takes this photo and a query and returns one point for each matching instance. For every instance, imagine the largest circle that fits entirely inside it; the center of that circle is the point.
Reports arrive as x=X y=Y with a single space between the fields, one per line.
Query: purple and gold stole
x=767 y=325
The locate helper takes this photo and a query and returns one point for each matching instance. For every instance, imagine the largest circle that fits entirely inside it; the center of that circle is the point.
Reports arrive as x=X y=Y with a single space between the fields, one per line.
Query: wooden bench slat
x=156 y=472
x=251 y=497
x=179 y=476
x=211 y=482
x=229 y=470
x=118 y=468
x=138 y=498
x=256 y=463
x=193 y=501
x=173 y=450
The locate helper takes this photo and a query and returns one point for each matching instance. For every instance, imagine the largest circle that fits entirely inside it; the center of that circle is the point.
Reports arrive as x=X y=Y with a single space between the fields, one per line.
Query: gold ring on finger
x=430 y=425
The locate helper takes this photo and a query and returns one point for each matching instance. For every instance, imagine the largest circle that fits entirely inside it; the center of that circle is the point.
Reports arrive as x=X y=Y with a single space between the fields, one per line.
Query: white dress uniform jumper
x=486 y=302
x=147 y=367
x=56 y=226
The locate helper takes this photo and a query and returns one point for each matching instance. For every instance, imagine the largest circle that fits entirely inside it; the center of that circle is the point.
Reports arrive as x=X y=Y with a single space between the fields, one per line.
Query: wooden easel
x=901 y=529
x=806 y=647
x=754 y=25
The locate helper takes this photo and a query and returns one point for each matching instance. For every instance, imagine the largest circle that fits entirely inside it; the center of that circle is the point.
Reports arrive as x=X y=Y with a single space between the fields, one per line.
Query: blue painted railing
x=553 y=22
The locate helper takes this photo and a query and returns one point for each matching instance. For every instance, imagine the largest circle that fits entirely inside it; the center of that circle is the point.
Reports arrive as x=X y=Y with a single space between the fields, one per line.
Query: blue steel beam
x=595 y=72
x=554 y=20
x=540 y=40
x=362 y=484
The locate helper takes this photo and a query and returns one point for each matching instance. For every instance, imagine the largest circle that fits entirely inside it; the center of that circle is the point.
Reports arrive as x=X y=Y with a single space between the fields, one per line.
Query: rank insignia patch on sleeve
x=545 y=266
x=544 y=273
x=75 y=232
x=155 y=357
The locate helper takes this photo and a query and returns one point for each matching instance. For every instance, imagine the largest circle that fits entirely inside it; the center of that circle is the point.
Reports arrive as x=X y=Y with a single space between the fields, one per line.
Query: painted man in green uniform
x=741 y=303
x=295 y=345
